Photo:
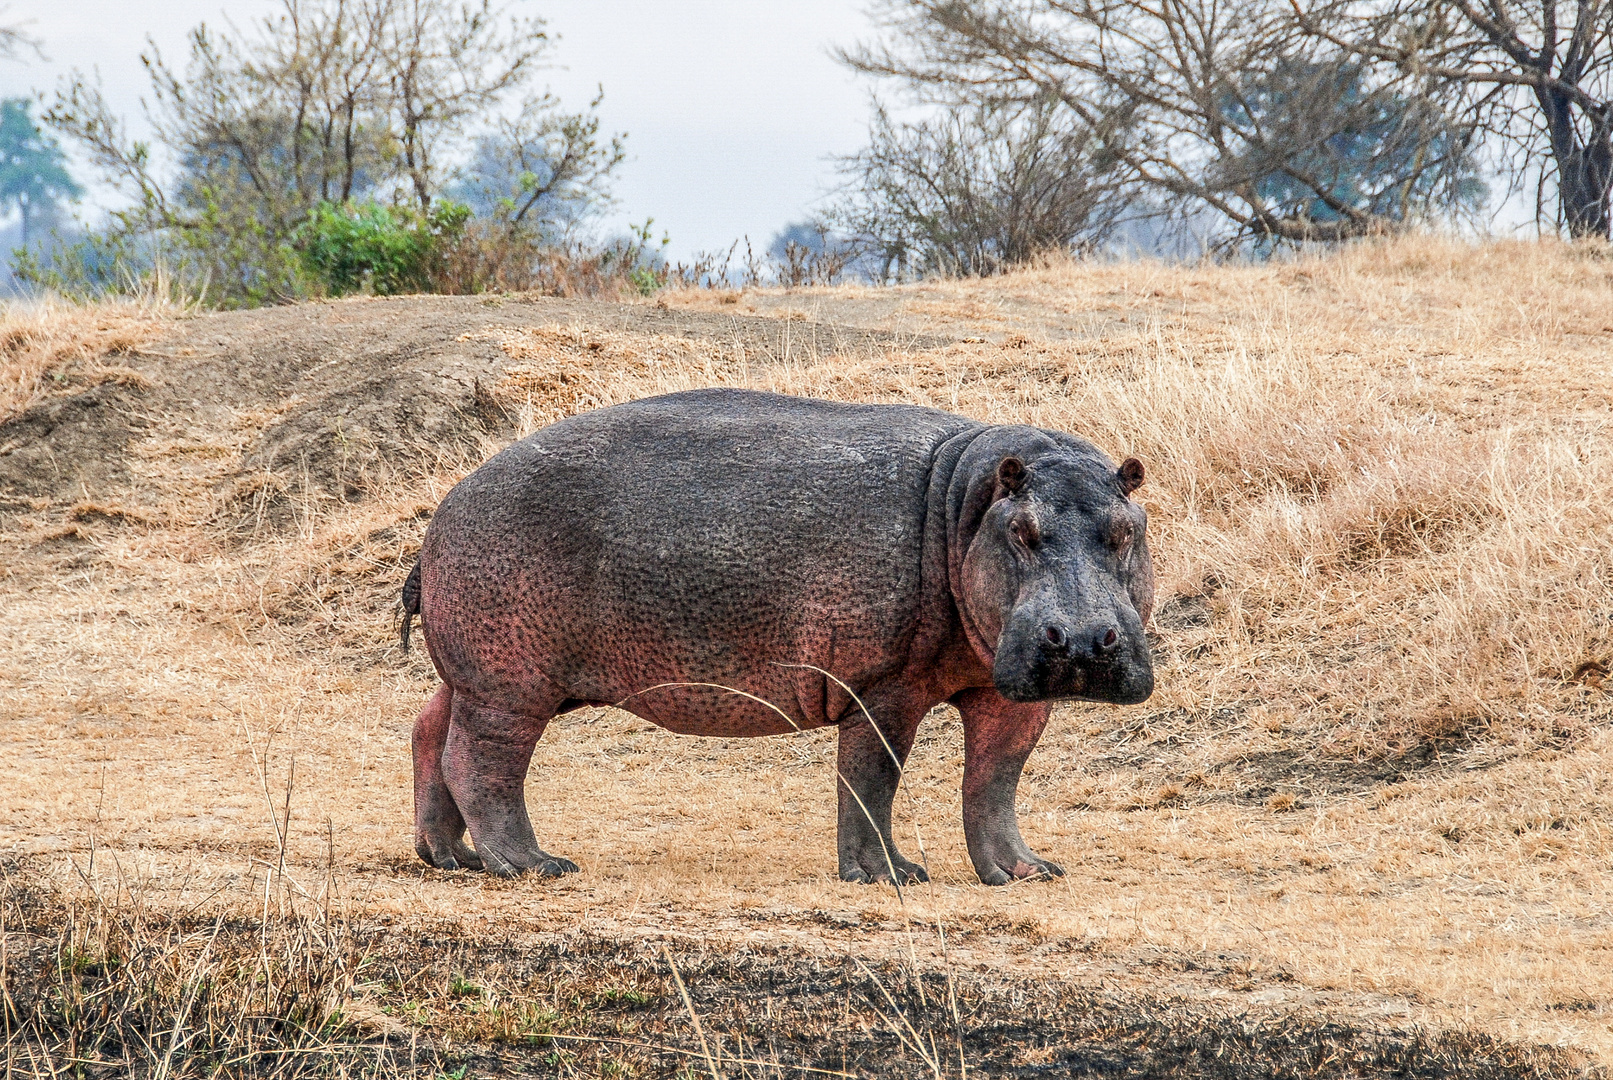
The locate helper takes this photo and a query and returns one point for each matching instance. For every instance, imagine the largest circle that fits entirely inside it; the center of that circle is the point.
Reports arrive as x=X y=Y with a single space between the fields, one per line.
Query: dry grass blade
x=896 y=879
x=694 y=1017
x=930 y=1056
x=176 y=1036
x=900 y=1026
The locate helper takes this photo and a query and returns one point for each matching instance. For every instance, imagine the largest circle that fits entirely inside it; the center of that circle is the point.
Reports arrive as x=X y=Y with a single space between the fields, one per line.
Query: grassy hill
x=1366 y=814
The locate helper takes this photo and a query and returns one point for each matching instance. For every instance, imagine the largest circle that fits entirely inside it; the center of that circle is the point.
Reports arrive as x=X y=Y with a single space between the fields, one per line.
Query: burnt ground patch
x=788 y=1014
x=126 y=991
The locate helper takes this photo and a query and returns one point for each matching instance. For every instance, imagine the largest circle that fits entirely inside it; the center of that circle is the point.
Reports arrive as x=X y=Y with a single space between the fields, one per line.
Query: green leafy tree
x=33 y=170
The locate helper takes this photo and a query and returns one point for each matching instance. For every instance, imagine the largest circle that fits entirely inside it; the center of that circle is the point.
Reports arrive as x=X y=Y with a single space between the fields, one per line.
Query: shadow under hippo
x=728 y=562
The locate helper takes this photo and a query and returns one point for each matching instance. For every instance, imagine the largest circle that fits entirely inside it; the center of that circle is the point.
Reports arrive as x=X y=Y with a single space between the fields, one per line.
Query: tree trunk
x=1583 y=191
x=1584 y=168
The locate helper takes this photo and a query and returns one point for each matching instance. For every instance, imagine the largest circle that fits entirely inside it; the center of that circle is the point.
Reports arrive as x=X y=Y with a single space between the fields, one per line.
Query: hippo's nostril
x=1055 y=636
x=1106 y=640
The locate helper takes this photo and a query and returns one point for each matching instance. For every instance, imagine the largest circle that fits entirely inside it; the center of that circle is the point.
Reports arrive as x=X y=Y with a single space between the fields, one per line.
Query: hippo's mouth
x=1044 y=679
x=1040 y=680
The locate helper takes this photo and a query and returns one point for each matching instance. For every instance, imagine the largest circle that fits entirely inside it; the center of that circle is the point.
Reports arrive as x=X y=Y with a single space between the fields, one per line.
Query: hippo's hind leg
x=998 y=735
x=439 y=829
x=867 y=786
x=484 y=762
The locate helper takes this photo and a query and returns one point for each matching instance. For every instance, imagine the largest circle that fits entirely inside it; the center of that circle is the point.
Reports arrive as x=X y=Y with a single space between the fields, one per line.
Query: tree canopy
x=33 y=170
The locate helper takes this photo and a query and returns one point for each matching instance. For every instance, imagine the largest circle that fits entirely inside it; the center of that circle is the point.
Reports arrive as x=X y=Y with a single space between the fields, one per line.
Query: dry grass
x=1384 y=472
x=49 y=345
x=1372 y=783
x=99 y=984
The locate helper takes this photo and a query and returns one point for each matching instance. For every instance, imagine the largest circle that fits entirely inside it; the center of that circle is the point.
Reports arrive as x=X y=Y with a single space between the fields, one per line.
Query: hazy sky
x=731 y=106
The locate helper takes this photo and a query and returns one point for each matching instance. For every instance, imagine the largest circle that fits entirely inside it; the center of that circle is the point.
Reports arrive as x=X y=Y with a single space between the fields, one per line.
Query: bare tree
x=1538 y=74
x=331 y=96
x=543 y=167
x=531 y=182
x=1230 y=104
x=974 y=189
x=445 y=64
x=14 y=39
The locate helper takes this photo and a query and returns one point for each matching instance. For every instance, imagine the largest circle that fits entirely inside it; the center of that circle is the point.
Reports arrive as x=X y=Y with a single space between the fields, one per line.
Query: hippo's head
x=1050 y=567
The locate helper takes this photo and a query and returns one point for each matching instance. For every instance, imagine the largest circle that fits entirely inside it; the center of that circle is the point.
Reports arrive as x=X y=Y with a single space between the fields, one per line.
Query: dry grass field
x=1365 y=824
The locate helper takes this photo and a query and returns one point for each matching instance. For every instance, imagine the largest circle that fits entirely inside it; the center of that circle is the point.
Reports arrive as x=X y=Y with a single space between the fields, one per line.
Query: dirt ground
x=202 y=555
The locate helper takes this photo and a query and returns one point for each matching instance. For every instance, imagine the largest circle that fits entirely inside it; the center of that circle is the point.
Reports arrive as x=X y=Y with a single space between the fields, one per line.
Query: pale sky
x=731 y=106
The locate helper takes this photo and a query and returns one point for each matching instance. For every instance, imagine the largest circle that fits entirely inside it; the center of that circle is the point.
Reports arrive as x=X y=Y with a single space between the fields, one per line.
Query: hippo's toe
x=870 y=872
x=539 y=863
x=447 y=855
x=1021 y=870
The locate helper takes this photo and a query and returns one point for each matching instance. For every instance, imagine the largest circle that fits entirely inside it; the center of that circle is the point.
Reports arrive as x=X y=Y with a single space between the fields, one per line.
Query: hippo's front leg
x=998 y=735
x=867 y=787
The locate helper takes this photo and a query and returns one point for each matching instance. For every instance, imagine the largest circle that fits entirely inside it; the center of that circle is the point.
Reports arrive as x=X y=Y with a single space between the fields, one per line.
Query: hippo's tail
x=411 y=602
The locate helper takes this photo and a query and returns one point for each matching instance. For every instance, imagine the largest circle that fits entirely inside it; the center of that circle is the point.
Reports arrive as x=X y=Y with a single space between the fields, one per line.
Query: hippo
x=733 y=563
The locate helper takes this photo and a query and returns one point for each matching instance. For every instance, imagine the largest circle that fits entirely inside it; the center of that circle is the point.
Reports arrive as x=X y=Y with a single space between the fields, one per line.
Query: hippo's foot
x=548 y=866
x=485 y=756
x=439 y=827
x=871 y=867
x=439 y=831
x=1017 y=866
x=509 y=864
x=447 y=853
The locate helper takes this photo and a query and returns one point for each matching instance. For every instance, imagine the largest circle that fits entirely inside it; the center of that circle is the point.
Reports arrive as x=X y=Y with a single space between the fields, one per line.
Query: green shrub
x=382 y=249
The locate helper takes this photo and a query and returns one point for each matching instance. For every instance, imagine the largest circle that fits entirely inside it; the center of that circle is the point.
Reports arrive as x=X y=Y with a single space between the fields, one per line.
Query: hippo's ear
x=1130 y=475
x=1011 y=475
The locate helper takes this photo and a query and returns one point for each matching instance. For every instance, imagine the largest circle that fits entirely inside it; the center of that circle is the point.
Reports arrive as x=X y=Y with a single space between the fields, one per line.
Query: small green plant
x=385 y=250
x=640 y=259
x=459 y=986
x=622 y=995
x=645 y=280
x=525 y=1022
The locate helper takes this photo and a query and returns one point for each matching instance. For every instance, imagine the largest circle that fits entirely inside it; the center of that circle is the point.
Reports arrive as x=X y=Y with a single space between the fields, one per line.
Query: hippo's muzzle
x=1098 y=660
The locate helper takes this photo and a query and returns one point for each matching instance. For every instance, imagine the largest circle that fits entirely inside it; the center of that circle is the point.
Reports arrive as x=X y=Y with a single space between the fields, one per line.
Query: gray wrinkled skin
x=755 y=541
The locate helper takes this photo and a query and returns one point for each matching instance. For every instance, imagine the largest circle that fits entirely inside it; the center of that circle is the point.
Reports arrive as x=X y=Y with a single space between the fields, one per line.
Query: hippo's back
x=699 y=536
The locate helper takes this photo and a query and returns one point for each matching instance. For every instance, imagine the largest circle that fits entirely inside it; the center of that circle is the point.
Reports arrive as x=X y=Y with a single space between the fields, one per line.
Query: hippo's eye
x=1024 y=528
x=1121 y=534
